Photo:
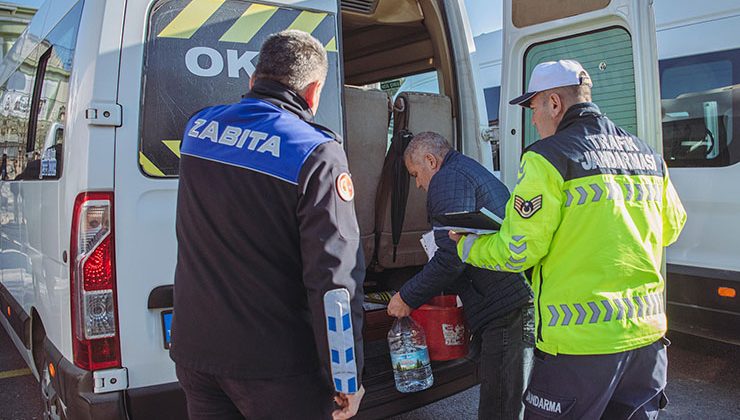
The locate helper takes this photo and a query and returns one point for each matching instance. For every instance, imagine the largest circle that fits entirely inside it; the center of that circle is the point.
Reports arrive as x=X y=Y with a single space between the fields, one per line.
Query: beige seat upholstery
x=426 y=112
x=366 y=141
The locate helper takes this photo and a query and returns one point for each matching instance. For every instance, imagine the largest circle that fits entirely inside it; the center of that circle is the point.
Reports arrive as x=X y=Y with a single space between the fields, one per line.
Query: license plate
x=166 y=327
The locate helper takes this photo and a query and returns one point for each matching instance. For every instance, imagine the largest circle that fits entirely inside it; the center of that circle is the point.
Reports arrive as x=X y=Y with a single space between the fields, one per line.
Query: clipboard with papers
x=479 y=222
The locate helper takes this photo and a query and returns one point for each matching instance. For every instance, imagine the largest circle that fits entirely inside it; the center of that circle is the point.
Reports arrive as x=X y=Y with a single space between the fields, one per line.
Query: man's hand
x=348 y=404
x=454 y=236
x=398 y=308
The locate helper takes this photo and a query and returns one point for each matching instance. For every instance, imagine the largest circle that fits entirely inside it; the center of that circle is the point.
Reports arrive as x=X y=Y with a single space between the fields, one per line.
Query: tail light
x=95 y=337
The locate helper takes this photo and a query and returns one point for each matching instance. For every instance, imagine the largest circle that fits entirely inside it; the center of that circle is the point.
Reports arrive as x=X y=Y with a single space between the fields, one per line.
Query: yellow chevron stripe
x=190 y=19
x=332 y=45
x=307 y=21
x=148 y=166
x=244 y=29
x=173 y=145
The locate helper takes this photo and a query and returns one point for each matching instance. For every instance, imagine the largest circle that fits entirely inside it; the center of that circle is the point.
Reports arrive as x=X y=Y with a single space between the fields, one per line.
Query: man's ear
x=251 y=82
x=555 y=105
x=431 y=160
x=312 y=94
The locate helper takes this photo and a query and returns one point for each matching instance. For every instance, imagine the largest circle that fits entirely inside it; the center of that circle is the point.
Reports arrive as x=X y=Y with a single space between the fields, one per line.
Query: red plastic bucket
x=444 y=327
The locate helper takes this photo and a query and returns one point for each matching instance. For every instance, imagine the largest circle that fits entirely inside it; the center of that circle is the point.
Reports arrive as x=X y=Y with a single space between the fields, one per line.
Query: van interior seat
x=425 y=112
x=367 y=113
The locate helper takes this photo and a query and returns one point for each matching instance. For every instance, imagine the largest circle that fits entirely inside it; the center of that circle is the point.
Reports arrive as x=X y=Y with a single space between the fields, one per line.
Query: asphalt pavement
x=20 y=397
x=703 y=383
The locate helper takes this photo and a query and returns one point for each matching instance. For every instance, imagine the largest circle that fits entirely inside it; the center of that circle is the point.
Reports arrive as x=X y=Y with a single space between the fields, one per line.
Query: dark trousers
x=627 y=385
x=504 y=348
x=296 y=397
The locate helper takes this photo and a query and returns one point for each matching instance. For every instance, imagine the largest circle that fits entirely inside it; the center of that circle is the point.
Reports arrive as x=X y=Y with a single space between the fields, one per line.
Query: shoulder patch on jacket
x=345 y=188
x=526 y=208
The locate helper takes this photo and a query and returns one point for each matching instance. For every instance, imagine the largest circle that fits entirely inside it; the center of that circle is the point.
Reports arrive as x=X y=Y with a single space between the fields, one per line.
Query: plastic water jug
x=410 y=356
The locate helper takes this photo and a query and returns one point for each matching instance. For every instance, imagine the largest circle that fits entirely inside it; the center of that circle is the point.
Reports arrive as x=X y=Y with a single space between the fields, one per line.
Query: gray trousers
x=627 y=385
x=504 y=349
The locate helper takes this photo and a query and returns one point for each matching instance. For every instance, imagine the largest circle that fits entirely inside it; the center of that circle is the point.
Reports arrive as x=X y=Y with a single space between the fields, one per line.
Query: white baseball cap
x=553 y=74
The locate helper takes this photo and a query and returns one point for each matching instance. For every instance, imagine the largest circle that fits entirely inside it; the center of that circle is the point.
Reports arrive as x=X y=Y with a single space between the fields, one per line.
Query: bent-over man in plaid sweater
x=497 y=305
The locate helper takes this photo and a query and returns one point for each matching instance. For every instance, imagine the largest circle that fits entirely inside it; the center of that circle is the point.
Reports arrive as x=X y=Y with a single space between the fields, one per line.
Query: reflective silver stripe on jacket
x=591 y=312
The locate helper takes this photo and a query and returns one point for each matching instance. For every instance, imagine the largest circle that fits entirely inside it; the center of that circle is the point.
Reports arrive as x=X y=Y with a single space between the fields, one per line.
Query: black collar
x=282 y=97
x=577 y=111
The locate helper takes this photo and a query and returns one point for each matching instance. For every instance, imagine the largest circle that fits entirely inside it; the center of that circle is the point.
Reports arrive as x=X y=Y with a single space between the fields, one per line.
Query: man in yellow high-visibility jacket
x=592 y=210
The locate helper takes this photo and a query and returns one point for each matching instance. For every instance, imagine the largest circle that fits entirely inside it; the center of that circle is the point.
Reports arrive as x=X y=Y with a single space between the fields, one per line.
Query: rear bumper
x=167 y=401
x=75 y=387
x=695 y=307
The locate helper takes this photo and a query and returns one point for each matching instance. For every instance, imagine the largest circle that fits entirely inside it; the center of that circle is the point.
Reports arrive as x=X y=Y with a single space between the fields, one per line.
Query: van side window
x=32 y=170
x=427 y=82
x=202 y=56
x=33 y=134
x=699 y=117
x=423 y=82
x=607 y=56
x=16 y=100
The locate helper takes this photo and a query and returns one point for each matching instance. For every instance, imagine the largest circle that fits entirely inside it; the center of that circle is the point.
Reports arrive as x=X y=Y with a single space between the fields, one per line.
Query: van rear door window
x=607 y=56
x=201 y=53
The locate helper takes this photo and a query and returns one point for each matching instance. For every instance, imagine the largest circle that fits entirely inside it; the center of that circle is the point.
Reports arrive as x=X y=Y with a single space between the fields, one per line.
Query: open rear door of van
x=614 y=40
x=178 y=57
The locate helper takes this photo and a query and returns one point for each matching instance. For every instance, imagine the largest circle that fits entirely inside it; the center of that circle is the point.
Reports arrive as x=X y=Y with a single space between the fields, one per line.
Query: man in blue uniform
x=269 y=255
x=497 y=305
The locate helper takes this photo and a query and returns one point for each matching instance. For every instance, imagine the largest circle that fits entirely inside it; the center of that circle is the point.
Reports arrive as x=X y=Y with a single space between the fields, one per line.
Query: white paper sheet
x=428 y=243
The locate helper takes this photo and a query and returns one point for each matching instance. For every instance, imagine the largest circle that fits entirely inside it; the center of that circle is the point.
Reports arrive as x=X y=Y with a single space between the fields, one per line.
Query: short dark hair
x=293 y=58
x=426 y=142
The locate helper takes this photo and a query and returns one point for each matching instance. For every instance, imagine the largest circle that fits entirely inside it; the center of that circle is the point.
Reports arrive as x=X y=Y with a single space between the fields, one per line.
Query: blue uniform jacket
x=262 y=235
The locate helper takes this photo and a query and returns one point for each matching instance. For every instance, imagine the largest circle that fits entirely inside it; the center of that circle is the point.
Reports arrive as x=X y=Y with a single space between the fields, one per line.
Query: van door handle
x=104 y=113
x=161 y=297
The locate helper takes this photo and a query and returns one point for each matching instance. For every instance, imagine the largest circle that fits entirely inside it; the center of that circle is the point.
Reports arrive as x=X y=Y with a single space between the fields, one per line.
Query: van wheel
x=52 y=405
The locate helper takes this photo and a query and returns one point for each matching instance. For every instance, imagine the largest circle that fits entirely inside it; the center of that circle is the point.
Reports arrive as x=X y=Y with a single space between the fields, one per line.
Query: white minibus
x=96 y=94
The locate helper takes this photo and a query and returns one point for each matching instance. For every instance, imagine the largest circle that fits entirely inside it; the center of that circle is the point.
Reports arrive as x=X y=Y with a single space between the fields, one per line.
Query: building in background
x=489 y=52
x=13 y=21
x=15 y=98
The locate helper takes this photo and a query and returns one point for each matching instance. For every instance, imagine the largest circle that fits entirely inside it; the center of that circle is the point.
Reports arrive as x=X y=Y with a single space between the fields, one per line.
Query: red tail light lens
x=98 y=268
x=93 y=284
